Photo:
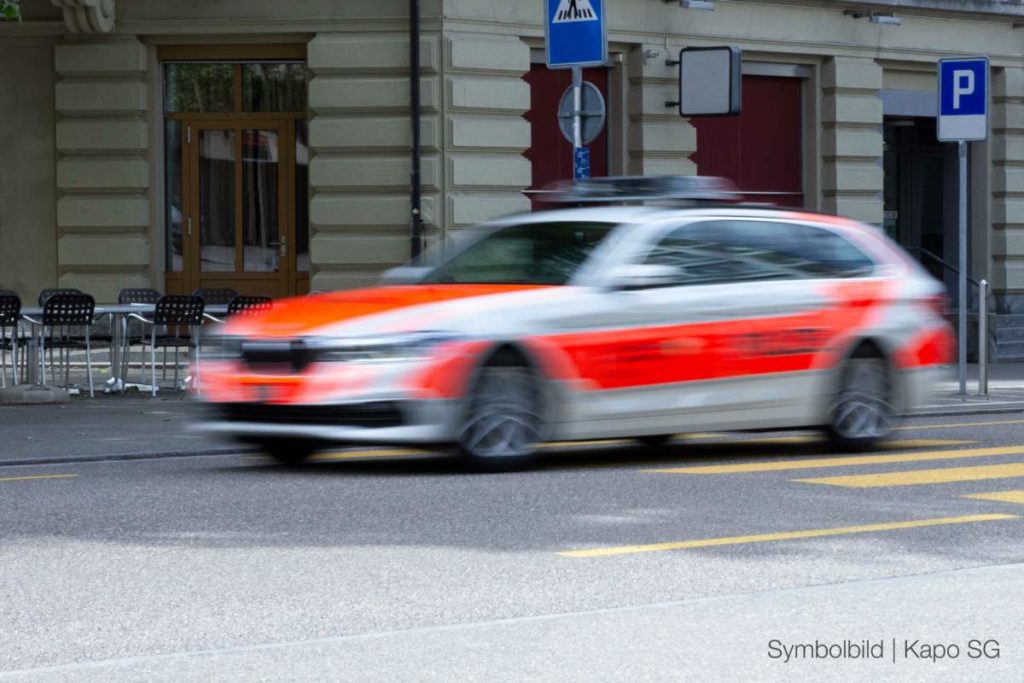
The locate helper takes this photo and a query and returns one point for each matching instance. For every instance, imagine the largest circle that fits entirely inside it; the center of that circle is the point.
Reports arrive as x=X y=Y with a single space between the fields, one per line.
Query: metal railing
x=982 y=306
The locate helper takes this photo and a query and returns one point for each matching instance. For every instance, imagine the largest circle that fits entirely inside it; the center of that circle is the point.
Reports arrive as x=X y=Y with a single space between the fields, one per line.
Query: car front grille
x=275 y=357
x=377 y=414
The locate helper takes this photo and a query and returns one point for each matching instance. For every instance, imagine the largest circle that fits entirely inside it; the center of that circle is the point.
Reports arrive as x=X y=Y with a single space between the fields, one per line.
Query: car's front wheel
x=502 y=424
x=862 y=413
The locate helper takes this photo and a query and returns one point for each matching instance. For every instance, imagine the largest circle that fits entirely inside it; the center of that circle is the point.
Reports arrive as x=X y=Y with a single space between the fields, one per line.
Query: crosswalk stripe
x=781 y=536
x=1000 y=496
x=842 y=461
x=946 y=475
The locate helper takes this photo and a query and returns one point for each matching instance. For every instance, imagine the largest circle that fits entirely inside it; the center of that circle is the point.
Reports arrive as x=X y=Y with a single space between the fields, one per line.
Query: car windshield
x=529 y=254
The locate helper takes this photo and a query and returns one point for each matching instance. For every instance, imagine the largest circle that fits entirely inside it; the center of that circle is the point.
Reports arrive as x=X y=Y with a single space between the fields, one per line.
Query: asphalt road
x=712 y=559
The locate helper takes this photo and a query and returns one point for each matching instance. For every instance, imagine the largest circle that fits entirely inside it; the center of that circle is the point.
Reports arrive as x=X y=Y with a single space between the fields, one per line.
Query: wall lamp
x=889 y=19
x=695 y=4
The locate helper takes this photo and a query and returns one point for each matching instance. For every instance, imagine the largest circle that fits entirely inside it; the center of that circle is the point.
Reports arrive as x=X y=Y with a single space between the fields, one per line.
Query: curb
x=975 y=409
x=238 y=450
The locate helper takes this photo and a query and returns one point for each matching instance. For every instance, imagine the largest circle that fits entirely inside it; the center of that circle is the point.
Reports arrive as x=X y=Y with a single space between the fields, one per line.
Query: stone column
x=102 y=167
x=1007 y=149
x=852 y=141
x=360 y=137
x=485 y=134
x=659 y=142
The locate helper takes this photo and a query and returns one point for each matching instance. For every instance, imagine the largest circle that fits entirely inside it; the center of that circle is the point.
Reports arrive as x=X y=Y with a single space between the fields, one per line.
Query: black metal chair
x=216 y=296
x=249 y=305
x=62 y=313
x=181 y=314
x=47 y=293
x=127 y=296
x=10 y=318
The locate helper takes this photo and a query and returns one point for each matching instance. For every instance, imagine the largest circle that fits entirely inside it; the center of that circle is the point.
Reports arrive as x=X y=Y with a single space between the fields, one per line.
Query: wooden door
x=239 y=205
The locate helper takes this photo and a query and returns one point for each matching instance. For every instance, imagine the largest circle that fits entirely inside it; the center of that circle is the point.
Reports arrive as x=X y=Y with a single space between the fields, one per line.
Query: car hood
x=377 y=310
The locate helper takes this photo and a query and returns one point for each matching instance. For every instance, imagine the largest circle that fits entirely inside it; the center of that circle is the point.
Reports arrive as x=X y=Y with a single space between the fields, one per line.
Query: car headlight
x=220 y=347
x=389 y=349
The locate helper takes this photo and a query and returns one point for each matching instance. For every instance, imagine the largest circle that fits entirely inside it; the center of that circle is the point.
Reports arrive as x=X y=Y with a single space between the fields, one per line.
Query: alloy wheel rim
x=503 y=421
x=862 y=409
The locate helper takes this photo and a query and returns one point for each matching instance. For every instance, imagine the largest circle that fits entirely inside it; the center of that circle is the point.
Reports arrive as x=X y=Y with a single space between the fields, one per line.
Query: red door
x=550 y=154
x=761 y=149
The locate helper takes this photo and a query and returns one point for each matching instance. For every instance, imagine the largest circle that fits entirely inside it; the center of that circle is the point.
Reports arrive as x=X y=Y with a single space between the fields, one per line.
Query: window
x=535 y=253
x=212 y=87
x=717 y=252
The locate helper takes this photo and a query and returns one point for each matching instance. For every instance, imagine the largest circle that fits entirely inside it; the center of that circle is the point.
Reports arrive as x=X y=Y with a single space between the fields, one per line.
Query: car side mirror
x=642 y=276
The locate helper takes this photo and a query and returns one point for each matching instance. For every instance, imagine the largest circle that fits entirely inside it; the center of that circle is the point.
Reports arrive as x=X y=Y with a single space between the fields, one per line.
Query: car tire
x=502 y=423
x=862 y=413
x=287 y=451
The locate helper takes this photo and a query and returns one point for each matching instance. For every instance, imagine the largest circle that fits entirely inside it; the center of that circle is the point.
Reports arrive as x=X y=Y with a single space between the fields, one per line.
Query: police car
x=651 y=307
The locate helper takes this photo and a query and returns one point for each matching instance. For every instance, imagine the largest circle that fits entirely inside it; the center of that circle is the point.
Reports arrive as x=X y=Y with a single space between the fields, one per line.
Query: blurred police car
x=676 y=309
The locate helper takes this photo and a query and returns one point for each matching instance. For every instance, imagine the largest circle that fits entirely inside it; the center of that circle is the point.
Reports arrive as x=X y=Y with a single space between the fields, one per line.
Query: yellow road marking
x=945 y=475
x=782 y=536
x=1001 y=496
x=355 y=455
x=960 y=424
x=842 y=461
x=40 y=476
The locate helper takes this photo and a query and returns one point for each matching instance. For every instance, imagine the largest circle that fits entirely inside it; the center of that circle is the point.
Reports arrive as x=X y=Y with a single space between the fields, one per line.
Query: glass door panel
x=217 y=200
x=262 y=238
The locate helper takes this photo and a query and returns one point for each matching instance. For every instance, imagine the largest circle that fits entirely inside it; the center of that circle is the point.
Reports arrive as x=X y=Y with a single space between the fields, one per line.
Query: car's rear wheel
x=502 y=424
x=862 y=413
x=287 y=451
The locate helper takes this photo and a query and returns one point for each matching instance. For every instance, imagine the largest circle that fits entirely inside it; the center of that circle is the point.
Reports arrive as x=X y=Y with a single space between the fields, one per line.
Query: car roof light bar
x=642 y=188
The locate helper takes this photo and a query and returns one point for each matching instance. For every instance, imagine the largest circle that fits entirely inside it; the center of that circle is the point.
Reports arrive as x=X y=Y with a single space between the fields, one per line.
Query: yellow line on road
x=356 y=455
x=781 y=536
x=956 y=425
x=945 y=475
x=40 y=476
x=1001 y=496
x=842 y=461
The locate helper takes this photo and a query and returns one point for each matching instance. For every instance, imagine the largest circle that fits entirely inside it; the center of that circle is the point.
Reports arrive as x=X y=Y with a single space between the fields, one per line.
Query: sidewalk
x=126 y=426
x=109 y=427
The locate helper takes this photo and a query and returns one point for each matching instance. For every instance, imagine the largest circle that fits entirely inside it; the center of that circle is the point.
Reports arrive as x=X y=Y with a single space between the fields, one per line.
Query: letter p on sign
x=963 y=84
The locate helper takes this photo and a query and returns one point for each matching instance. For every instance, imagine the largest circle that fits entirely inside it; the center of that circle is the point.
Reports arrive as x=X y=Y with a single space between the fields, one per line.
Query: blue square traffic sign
x=963 y=99
x=575 y=33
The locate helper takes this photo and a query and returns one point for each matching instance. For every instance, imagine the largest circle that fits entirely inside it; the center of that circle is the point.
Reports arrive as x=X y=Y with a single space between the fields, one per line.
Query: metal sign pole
x=577 y=107
x=962 y=360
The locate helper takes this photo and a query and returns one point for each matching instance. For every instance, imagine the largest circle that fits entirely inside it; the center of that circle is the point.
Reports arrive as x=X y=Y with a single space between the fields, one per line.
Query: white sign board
x=710 y=80
x=963 y=99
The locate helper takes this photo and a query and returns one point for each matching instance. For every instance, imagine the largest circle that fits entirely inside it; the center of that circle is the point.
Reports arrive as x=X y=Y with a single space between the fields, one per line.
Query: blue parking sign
x=963 y=99
x=575 y=33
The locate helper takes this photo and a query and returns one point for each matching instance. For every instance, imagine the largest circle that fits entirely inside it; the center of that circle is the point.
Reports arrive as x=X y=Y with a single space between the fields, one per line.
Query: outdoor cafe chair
x=180 y=314
x=47 y=293
x=10 y=317
x=249 y=305
x=133 y=295
x=63 y=312
x=216 y=296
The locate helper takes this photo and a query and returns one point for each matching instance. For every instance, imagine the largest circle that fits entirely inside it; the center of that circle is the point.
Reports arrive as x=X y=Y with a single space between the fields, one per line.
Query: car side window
x=716 y=252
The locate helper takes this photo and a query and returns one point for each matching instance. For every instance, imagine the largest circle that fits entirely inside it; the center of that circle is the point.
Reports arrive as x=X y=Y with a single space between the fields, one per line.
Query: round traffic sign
x=592 y=113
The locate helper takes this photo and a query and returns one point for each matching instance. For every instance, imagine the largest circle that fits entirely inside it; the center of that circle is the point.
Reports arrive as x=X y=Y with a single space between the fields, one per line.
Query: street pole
x=577 y=106
x=962 y=360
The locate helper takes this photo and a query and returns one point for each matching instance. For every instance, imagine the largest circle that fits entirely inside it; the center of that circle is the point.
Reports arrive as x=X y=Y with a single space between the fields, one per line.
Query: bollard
x=983 y=338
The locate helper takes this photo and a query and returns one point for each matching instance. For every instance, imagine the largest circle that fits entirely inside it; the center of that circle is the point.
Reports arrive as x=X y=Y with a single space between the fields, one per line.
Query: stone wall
x=102 y=141
x=360 y=138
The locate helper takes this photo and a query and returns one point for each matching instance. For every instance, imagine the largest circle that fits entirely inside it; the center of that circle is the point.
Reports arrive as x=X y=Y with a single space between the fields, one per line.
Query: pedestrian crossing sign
x=575 y=33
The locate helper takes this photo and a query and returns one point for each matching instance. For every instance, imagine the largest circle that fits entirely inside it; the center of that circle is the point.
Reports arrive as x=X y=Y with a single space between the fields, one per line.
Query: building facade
x=265 y=145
